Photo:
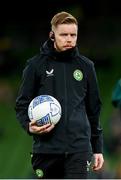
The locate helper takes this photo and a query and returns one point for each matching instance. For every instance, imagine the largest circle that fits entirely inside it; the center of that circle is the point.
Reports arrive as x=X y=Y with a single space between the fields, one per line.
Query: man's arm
x=25 y=95
x=93 y=107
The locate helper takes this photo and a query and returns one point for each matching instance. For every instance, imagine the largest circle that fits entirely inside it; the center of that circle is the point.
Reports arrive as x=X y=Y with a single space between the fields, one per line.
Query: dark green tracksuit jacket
x=71 y=79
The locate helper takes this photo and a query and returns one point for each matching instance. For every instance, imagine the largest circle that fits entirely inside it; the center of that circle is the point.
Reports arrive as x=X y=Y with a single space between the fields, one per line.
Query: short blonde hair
x=63 y=18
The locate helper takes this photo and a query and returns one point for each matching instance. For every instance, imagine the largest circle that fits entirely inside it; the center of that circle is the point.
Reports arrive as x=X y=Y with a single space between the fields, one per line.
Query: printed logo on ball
x=54 y=109
x=41 y=99
x=43 y=120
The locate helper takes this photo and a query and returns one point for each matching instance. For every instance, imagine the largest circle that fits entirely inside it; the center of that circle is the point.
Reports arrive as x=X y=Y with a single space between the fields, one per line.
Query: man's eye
x=64 y=34
x=73 y=35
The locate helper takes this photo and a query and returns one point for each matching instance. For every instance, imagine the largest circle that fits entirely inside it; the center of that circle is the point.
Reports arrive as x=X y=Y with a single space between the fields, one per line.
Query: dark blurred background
x=23 y=29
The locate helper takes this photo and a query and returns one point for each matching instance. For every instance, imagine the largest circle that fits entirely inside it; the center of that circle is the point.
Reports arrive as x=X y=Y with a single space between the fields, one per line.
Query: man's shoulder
x=36 y=59
x=85 y=60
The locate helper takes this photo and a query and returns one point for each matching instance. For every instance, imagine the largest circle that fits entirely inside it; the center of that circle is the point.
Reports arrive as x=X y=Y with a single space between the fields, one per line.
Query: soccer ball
x=44 y=109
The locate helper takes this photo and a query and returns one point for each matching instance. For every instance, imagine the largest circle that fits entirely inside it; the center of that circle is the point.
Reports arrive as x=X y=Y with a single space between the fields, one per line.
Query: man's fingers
x=40 y=129
x=98 y=162
x=50 y=128
x=33 y=122
x=95 y=163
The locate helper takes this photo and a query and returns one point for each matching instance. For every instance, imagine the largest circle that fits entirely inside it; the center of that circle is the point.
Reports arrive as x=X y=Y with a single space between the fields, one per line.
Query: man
x=116 y=95
x=63 y=151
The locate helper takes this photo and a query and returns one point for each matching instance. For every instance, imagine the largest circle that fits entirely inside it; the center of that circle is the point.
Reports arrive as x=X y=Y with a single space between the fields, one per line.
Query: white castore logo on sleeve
x=50 y=73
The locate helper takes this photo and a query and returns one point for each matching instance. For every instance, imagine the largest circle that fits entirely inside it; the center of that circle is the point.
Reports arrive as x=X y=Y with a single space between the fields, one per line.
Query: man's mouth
x=67 y=46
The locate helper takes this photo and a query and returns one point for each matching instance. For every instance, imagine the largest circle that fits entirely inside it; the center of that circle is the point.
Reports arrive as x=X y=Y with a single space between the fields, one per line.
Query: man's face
x=65 y=36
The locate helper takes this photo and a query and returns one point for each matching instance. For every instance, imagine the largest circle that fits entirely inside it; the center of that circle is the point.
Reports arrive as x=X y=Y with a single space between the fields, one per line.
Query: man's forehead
x=66 y=28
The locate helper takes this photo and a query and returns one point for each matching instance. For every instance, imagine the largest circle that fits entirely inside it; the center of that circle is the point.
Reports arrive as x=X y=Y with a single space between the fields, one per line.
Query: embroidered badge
x=39 y=173
x=78 y=75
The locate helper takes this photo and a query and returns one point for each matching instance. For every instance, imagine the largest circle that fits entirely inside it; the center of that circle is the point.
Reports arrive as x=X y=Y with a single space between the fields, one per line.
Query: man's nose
x=69 y=38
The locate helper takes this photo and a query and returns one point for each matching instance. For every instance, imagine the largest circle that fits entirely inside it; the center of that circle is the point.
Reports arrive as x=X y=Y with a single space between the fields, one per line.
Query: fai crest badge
x=78 y=75
x=39 y=173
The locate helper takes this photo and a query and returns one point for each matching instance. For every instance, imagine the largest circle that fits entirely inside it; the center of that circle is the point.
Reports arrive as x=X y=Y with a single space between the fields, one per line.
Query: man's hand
x=33 y=128
x=98 y=161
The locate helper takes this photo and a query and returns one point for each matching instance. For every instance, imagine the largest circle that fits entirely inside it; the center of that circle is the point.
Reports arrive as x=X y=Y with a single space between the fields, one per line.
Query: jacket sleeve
x=25 y=95
x=93 y=107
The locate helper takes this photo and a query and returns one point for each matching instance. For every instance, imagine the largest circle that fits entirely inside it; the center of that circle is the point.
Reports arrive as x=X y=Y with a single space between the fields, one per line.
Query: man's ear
x=52 y=35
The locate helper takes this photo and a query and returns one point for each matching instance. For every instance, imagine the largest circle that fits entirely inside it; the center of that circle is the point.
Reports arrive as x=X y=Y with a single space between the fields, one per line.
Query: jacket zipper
x=65 y=95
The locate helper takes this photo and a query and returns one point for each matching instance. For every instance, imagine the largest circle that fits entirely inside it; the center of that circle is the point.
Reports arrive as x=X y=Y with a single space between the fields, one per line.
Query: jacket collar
x=48 y=49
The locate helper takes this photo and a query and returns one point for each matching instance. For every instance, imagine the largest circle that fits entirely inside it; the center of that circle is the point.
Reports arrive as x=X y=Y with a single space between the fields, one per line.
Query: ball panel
x=41 y=110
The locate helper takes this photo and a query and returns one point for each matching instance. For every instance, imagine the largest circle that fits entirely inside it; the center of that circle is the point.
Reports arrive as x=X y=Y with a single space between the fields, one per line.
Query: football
x=44 y=109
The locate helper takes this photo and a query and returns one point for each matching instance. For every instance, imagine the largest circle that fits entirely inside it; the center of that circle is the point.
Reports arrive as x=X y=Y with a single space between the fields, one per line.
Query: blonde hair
x=63 y=18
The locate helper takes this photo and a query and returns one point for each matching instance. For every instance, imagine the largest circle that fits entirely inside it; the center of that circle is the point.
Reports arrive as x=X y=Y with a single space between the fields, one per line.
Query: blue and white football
x=44 y=109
